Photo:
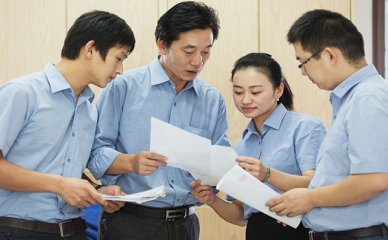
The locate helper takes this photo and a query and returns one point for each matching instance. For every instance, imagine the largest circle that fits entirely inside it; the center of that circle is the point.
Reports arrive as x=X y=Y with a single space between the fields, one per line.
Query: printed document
x=241 y=185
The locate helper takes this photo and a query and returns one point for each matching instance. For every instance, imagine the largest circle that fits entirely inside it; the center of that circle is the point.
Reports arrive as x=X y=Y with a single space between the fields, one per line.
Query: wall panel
x=276 y=17
x=31 y=35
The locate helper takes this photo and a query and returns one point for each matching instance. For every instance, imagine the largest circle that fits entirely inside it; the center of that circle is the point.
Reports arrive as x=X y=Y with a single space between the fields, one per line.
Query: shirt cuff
x=101 y=161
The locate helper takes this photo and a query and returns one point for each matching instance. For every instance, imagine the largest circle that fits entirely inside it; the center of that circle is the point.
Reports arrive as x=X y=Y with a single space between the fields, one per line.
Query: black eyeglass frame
x=308 y=59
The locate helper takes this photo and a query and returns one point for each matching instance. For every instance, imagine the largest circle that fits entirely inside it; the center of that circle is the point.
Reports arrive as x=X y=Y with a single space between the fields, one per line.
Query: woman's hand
x=252 y=165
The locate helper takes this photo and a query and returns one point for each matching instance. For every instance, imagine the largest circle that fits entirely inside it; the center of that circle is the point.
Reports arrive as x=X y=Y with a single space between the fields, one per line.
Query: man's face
x=104 y=72
x=315 y=69
x=185 y=58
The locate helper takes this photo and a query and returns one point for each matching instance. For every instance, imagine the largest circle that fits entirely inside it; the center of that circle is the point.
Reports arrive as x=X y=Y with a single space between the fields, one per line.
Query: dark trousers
x=127 y=226
x=263 y=227
x=9 y=233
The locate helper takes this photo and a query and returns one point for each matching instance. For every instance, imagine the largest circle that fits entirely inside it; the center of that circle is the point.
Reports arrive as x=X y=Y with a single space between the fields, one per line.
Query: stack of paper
x=191 y=152
x=140 y=197
x=241 y=185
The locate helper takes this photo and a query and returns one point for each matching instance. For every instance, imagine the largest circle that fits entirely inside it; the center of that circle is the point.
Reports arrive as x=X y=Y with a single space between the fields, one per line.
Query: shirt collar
x=58 y=83
x=86 y=94
x=250 y=129
x=274 y=121
x=55 y=78
x=354 y=79
x=159 y=76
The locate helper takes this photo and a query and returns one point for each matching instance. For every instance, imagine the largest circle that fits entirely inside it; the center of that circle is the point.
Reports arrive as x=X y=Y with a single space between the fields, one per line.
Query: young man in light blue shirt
x=347 y=197
x=47 y=126
x=168 y=89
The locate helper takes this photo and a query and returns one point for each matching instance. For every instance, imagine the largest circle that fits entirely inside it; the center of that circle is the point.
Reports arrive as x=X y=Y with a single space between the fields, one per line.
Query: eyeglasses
x=308 y=59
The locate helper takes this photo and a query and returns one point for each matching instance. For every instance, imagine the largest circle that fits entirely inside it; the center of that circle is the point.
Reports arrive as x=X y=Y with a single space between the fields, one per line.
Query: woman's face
x=253 y=93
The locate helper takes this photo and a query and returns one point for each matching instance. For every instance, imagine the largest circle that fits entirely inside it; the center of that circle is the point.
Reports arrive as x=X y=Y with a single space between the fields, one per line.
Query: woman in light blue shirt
x=278 y=146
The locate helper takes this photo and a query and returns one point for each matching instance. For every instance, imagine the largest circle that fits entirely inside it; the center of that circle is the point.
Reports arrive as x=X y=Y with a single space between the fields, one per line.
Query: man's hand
x=253 y=166
x=146 y=163
x=78 y=192
x=203 y=193
x=113 y=190
x=292 y=203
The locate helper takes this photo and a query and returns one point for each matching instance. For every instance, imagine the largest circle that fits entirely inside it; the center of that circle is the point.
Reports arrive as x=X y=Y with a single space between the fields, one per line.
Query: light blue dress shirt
x=356 y=143
x=290 y=142
x=43 y=129
x=125 y=109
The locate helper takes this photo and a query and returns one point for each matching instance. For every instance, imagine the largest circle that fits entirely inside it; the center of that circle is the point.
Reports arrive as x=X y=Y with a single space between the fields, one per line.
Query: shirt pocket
x=200 y=116
x=200 y=132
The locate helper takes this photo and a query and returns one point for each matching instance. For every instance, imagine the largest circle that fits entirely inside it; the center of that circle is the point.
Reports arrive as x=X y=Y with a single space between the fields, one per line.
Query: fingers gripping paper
x=241 y=185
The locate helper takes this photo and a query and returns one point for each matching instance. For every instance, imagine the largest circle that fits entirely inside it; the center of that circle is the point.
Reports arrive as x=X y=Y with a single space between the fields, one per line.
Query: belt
x=64 y=228
x=377 y=230
x=168 y=214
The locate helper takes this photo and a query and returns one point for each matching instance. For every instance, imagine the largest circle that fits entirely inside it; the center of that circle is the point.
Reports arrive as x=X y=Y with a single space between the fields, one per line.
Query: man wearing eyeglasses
x=347 y=197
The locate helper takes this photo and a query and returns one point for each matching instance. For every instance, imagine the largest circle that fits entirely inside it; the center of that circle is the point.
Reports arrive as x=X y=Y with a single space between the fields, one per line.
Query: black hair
x=320 y=28
x=265 y=64
x=106 y=29
x=183 y=17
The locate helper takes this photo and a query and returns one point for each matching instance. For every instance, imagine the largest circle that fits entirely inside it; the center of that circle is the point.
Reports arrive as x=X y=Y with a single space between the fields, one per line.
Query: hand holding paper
x=291 y=203
x=139 y=197
x=146 y=163
x=111 y=206
x=203 y=193
x=241 y=185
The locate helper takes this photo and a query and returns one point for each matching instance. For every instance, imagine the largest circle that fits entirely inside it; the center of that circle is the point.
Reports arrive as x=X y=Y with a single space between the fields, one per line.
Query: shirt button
x=178 y=200
x=68 y=160
x=172 y=181
x=174 y=103
x=73 y=134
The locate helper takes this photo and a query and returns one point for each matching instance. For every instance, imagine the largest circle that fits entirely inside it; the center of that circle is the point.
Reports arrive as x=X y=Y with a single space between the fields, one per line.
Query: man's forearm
x=16 y=178
x=352 y=190
x=285 y=181
x=121 y=164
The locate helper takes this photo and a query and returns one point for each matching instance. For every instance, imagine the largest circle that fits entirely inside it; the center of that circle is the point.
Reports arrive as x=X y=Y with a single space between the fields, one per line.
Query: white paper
x=191 y=152
x=241 y=185
x=183 y=149
x=139 y=197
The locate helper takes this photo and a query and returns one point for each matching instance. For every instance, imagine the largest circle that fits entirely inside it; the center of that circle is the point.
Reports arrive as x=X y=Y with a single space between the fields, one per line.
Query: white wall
x=362 y=18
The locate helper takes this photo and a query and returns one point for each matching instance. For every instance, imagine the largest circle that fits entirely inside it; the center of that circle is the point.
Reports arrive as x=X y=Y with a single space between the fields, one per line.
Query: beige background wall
x=32 y=33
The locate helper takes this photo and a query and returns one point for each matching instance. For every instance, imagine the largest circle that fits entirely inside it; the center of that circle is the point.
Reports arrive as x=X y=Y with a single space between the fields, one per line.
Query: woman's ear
x=279 y=91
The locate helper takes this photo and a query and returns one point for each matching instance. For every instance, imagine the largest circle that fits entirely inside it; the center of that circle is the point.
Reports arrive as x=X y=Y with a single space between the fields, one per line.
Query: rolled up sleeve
x=109 y=108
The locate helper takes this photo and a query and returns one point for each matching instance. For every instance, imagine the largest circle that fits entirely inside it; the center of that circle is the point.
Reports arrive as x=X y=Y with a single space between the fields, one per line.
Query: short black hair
x=265 y=64
x=320 y=28
x=106 y=29
x=183 y=17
